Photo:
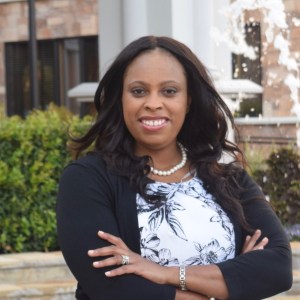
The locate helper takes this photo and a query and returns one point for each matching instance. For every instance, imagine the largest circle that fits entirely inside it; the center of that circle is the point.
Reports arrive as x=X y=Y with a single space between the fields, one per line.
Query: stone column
x=223 y=59
x=207 y=16
x=183 y=21
x=122 y=21
x=110 y=32
x=135 y=24
x=204 y=21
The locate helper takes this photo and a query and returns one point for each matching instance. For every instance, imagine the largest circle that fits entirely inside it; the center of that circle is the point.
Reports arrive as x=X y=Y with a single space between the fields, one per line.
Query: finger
x=111 y=261
x=250 y=241
x=105 y=251
x=112 y=239
x=261 y=245
x=253 y=240
x=248 y=237
x=119 y=271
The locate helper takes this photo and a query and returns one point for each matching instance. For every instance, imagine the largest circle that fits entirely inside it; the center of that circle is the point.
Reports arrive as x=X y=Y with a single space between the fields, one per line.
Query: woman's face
x=155 y=99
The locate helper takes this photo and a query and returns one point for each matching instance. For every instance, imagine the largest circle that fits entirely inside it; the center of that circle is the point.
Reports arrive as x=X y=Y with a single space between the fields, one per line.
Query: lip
x=153 y=123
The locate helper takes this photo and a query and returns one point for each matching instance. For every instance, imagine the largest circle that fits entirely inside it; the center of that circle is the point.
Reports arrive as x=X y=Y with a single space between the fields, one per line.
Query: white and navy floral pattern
x=188 y=227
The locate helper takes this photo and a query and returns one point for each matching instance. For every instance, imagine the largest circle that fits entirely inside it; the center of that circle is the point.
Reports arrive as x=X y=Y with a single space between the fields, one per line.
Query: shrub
x=256 y=159
x=2 y=114
x=33 y=153
x=281 y=183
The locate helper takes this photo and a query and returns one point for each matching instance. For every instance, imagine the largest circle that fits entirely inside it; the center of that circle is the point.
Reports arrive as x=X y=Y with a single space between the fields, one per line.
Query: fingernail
x=107 y=273
x=91 y=252
x=265 y=239
x=96 y=263
x=100 y=232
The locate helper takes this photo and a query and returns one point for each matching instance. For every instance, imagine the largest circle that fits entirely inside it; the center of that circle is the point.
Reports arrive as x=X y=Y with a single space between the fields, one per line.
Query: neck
x=174 y=167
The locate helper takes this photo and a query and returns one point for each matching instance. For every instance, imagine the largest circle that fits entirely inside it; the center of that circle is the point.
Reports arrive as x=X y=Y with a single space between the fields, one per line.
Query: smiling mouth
x=154 y=123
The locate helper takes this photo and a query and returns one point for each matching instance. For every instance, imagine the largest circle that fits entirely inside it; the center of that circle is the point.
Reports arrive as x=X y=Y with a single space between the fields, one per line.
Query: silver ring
x=125 y=260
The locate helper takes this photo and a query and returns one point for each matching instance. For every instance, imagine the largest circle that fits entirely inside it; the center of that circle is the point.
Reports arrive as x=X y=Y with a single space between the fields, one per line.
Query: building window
x=245 y=68
x=62 y=64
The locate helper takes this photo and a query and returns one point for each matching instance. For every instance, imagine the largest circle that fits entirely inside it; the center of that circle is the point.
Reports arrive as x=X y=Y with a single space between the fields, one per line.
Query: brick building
x=277 y=125
x=67 y=34
x=272 y=104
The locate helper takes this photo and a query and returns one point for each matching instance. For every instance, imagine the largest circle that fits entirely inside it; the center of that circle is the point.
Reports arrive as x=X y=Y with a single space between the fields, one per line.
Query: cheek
x=127 y=109
x=183 y=110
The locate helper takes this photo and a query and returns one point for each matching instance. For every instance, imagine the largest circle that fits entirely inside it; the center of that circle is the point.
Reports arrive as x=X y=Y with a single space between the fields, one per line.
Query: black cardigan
x=91 y=198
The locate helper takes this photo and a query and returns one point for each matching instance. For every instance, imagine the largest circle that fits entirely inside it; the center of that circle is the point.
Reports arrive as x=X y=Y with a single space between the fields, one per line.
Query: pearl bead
x=175 y=168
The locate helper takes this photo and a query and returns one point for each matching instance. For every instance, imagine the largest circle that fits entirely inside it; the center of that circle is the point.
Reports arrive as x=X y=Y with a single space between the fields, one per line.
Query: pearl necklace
x=175 y=168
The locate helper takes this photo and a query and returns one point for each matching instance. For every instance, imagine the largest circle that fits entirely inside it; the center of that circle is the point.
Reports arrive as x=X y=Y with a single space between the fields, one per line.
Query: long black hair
x=203 y=134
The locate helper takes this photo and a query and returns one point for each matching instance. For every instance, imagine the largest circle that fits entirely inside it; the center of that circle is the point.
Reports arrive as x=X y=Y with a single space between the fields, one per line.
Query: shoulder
x=249 y=186
x=251 y=196
x=90 y=168
x=91 y=159
x=246 y=186
x=91 y=162
x=89 y=175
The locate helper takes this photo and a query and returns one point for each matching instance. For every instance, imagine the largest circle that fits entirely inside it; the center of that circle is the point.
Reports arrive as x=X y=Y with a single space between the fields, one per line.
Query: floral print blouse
x=187 y=228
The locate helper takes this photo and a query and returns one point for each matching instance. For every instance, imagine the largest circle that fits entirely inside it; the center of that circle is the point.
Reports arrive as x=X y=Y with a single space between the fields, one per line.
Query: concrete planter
x=35 y=275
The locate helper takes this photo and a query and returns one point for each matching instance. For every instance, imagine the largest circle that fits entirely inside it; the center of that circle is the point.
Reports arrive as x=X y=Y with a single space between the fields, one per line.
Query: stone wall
x=54 y=19
x=262 y=138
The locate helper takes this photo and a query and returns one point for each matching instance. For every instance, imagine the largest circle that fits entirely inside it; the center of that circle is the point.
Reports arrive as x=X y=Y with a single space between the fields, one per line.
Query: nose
x=153 y=102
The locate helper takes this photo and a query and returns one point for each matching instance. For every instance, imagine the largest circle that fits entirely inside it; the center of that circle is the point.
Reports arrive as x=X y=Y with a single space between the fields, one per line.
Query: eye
x=169 y=92
x=138 y=92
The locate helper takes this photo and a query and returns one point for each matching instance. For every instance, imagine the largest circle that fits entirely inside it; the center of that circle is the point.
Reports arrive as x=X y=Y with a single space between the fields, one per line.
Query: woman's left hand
x=136 y=263
x=252 y=242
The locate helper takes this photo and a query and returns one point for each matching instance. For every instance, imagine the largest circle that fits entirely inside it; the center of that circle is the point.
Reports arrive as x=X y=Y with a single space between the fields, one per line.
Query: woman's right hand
x=251 y=243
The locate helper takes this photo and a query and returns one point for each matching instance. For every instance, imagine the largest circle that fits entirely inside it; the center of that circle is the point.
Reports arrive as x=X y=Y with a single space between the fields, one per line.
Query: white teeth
x=154 y=122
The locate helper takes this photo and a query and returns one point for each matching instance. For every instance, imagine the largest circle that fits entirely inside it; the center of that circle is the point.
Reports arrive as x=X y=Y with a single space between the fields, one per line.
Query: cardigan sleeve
x=84 y=206
x=262 y=273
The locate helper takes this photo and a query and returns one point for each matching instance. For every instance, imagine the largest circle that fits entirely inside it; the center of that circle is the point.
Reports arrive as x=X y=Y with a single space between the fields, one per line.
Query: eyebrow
x=161 y=83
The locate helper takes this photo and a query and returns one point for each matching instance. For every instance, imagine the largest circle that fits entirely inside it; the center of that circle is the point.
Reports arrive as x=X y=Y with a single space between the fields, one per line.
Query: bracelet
x=182 y=283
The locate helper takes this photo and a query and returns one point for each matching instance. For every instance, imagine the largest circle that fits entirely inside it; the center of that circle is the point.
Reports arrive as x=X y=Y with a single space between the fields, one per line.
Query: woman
x=172 y=221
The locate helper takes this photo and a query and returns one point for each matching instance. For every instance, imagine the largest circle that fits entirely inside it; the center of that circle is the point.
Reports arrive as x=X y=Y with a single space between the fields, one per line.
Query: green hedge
x=280 y=181
x=33 y=153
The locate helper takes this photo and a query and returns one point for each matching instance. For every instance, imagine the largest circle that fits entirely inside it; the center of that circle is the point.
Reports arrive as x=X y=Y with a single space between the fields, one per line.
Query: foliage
x=256 y=159
x=2 y=112
x=33 y=153
x=281 y=183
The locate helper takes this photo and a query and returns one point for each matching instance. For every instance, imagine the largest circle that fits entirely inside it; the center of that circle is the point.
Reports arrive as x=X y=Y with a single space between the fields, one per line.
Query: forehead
x=155 y=63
